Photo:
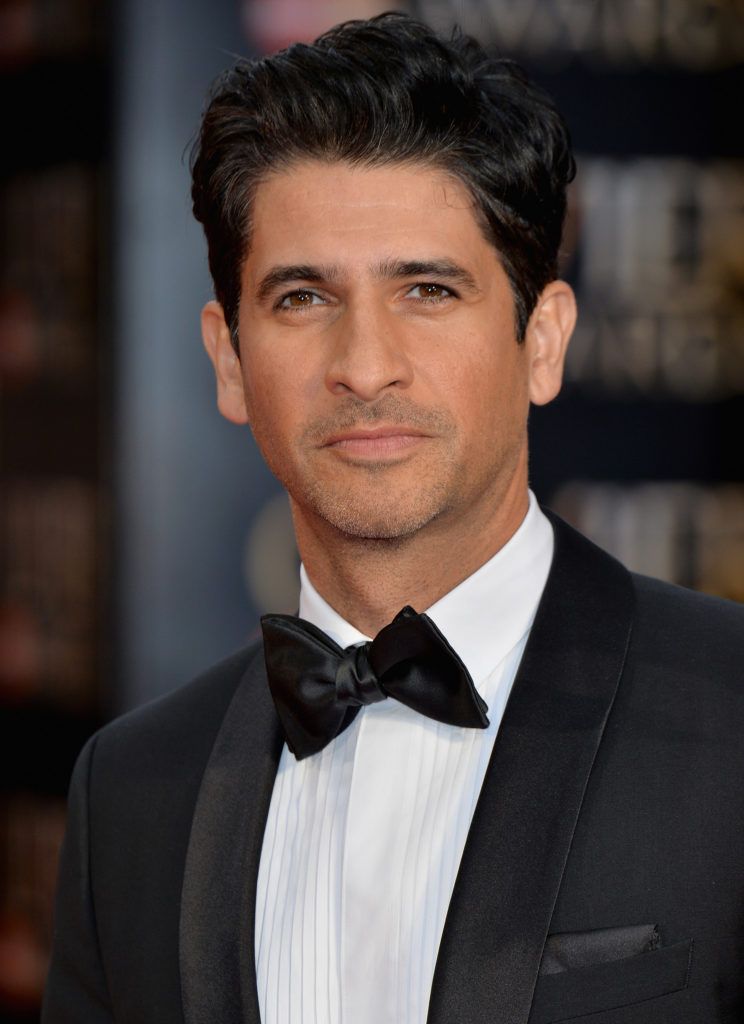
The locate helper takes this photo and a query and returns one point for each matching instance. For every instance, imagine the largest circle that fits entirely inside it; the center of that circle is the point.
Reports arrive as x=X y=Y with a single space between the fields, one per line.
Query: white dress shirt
x=363 y=840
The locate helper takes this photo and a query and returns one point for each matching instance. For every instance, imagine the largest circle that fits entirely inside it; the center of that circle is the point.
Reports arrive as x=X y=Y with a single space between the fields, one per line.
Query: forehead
x=333 y=211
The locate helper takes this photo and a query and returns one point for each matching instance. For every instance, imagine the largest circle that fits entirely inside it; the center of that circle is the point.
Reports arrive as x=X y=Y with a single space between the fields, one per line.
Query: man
x=522 y=806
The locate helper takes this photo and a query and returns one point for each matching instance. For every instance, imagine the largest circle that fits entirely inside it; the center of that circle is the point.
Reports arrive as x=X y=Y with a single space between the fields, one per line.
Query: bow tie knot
x=319 y=687
x=356 y=680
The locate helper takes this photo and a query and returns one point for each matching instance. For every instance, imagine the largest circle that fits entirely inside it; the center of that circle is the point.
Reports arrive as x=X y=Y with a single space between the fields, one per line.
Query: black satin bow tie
x=318 y=687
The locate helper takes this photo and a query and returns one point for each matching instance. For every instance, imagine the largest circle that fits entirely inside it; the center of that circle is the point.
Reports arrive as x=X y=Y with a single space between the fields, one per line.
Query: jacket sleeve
x=76 y=990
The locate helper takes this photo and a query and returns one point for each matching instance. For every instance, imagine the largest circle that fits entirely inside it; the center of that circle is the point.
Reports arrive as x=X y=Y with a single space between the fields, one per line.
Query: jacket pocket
x=609 y=986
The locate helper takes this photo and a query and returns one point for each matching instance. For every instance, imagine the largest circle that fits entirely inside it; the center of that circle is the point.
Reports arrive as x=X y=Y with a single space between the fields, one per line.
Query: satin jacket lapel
x=218 y=903
x=526 y=814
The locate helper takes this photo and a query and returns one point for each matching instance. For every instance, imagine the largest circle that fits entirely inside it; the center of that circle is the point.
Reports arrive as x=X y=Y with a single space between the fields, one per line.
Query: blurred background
x=140 y=535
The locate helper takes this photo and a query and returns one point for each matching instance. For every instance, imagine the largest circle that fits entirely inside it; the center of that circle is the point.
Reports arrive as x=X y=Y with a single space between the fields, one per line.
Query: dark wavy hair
x=388 y=91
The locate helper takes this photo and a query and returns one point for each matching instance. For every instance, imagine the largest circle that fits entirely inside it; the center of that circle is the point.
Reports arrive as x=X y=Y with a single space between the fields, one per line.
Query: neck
x=369 y=581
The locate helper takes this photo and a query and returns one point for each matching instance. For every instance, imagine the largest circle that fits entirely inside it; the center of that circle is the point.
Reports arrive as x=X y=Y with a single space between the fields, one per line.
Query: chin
x=368 y=519
x=363 y=526
x=378 y=507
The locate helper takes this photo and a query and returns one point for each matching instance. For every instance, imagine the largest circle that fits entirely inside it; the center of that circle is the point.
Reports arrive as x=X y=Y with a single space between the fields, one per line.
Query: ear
x=226 y=363
x=548 y=333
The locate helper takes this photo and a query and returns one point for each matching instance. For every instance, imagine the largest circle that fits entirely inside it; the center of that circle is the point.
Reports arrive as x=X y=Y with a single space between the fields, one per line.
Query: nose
x=368 y=355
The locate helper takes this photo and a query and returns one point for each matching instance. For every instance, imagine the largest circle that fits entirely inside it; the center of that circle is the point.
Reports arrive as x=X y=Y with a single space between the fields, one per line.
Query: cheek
x=278 y=391
x=480 y=376
x=262 y=392
x=491 y=397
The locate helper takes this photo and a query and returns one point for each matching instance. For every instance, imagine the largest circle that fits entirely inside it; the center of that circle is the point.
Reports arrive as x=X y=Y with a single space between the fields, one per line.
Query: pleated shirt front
x=363 y=840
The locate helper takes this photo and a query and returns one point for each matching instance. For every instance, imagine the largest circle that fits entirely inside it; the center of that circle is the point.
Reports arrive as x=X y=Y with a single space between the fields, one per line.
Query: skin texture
x=379 y=371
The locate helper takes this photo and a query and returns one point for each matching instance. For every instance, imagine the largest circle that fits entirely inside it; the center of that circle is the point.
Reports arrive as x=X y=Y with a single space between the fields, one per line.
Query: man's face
x=379 y=368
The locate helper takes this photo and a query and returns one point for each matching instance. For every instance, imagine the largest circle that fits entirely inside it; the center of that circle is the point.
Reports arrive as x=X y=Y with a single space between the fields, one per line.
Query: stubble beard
x=367 y=502
x=375 y=512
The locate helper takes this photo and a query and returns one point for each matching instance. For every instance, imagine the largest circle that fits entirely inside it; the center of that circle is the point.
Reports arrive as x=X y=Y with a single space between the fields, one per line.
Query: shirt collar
x=484 y=616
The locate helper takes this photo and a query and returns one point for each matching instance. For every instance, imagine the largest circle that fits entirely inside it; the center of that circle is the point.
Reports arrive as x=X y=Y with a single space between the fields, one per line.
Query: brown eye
x=299 y=299
x=429 y=292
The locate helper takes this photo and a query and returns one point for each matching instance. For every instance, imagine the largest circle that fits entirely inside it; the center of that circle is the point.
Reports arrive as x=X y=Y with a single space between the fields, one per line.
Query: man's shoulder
x=670 y=602
x=675 y=632
x=658 y=604
x=686 y=627
x=178 y=728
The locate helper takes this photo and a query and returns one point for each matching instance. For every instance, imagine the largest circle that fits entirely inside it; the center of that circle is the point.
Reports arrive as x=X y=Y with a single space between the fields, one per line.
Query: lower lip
x=377 y=447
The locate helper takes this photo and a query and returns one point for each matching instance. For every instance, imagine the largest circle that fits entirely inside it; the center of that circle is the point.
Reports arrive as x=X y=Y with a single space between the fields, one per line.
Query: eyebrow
x=278 y=276
x=393 y=269
x=388 y=270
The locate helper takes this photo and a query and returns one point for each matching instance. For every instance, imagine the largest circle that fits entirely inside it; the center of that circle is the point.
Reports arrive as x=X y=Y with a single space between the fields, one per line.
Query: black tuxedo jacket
x=603 y=876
